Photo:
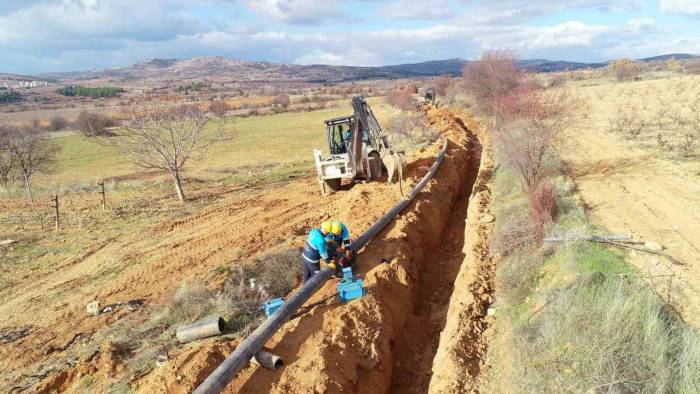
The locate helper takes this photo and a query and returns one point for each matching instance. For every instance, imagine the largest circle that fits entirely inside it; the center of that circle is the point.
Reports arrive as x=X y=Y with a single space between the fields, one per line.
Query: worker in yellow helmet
x=316 y=250
x=339 y=242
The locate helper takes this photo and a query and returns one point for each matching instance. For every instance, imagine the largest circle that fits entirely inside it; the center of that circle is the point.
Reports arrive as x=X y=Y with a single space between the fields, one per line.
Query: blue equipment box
x=347 y=273
x=272 y=305
x=350 y=289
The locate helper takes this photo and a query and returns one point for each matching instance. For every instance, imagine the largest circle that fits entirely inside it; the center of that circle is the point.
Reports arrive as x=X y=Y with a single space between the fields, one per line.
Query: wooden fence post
x=55 y=207
x=102 y=192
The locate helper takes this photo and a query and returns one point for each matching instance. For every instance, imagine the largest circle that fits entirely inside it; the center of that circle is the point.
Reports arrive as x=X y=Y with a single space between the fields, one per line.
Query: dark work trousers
x=308 y=269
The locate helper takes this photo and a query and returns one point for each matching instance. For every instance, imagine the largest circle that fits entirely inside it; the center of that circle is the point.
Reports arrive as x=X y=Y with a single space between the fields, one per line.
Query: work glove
x=330 y=264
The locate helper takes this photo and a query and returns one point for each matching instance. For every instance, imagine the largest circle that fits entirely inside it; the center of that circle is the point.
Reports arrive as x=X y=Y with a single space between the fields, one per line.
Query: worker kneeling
x=338 y=240
x=324 y=245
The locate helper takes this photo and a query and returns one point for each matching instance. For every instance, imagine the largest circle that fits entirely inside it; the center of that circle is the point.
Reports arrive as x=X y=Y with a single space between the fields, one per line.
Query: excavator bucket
x=395 y=162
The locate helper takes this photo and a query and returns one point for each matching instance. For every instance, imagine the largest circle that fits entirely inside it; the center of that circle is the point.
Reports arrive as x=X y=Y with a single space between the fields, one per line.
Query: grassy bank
x=574 y=316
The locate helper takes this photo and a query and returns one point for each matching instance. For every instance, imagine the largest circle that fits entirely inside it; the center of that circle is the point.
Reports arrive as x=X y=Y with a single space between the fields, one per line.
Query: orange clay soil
x=385 y=341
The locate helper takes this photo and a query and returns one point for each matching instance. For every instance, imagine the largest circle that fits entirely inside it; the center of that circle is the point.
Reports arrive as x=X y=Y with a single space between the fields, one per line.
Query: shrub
x=692 y=66
x=281 y=100
x=218 y=108
x=408 y=131
x=441 y=84
x=493 y=76
x=542 y=205
x=528 y=124
x=58 y=123
x=401 y=99
x=624 y=69
x=94 y=124
x=239 y=301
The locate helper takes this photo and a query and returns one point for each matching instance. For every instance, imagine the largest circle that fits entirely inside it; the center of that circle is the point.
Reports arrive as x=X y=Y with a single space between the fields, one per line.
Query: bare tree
x=7 y=159
x=32 y=152
x=165 y=136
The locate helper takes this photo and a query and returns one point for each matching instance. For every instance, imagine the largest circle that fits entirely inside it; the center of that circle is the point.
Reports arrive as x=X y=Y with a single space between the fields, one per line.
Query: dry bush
x=692 y=66
x=94 y=124
x=218 y=108
x=528 y=124
x=240 y=300
x=624 y=69
x=57 y=123
x=517 y=274
x=514 y=233
x=542 y=204
x=281 y=100
x=687 y=145
x=493 y=76
x=441 y=84
x=401 y=99
x=408 y=131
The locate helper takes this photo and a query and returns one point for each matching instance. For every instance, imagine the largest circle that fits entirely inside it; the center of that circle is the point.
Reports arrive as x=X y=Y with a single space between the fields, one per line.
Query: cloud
x=71 y=24
x=685 y=7
x=416 y=10
x=62 y=35
x=296 y=11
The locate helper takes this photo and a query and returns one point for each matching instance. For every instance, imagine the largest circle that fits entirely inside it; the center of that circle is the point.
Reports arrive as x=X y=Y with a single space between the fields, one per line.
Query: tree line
x=83 y=91
x=8 y=96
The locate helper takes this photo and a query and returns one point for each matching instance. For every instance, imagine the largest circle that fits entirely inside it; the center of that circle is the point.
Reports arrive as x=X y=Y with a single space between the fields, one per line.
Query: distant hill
x=669 y=56
x=234 y=70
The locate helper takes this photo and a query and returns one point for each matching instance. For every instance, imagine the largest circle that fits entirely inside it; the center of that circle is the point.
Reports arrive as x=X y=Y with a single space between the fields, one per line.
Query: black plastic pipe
x=217 y=380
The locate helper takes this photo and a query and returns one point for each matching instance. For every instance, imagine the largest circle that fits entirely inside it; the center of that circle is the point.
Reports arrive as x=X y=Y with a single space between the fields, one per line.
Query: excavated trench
x=415 y=349
x=387 y=342
x=420 y=326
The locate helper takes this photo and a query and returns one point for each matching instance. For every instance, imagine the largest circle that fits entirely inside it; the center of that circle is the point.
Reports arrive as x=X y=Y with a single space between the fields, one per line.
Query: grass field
x=260 y=141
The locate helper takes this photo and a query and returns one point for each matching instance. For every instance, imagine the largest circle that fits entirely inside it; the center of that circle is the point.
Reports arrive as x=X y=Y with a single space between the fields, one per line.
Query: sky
x=73 y=35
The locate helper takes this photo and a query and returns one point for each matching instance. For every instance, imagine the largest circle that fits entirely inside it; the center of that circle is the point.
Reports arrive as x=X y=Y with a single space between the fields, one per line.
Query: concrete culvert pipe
x=204 y=328
x=267 y=360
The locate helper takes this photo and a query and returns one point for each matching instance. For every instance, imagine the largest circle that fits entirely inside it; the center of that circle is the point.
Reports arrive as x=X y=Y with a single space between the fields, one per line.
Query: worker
x=340 y=239
x=347 y=137
x=315 y=251
x=339 y=233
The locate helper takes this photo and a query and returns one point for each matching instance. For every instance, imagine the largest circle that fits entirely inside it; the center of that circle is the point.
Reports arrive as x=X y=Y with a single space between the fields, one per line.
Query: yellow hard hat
x=336 y=227
x=326 y=227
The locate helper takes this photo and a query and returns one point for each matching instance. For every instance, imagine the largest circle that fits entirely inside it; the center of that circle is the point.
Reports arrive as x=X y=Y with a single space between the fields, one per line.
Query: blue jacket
x=343 y=237
x=315 y=247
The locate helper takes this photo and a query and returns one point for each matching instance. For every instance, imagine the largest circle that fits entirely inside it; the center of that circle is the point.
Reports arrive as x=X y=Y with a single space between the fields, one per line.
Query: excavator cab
x=358 y=149
x=339 y=132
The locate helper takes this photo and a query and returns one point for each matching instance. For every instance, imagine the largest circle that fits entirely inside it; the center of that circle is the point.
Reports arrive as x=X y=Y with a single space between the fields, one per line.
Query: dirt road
x=631 y=191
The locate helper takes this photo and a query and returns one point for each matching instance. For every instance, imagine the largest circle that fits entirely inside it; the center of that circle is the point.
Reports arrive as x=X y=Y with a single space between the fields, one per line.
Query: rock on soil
x=655 y=246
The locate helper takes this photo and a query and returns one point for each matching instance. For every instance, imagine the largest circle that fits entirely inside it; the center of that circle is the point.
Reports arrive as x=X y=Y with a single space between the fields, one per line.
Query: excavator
x=358 y=149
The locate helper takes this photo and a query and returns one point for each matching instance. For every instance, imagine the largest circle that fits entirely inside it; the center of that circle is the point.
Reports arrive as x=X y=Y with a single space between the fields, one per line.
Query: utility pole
x=55 y=207
x=104 y=200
